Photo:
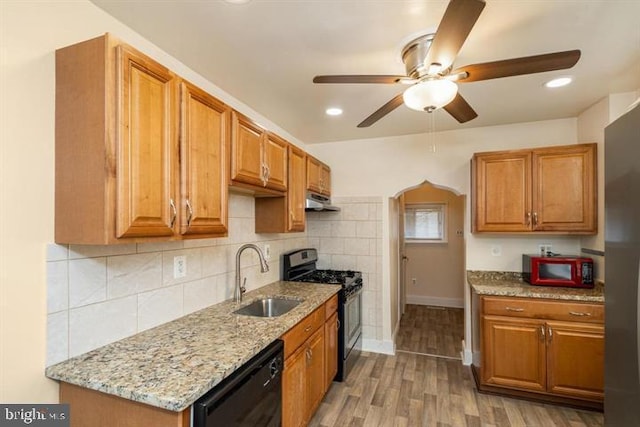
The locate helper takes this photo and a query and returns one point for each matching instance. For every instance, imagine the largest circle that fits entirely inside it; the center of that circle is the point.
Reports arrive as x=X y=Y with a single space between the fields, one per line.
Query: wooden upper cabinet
x=502 y=198
x=551 y=189
x=285 y=214
x=296 y=194
x=204 y=142
x=121 y=174
x=258 y=158
x=275 y=162
x=564 y=189
x=318 y=176
x=146 y=146
x=116 y=145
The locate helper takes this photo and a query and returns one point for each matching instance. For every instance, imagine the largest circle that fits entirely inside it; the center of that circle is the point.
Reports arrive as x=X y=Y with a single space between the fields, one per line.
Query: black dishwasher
x=250 y=397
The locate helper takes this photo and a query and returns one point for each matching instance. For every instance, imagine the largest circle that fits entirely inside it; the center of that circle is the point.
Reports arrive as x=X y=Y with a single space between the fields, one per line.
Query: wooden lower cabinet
x=575 y=360
x=530 y=351
x=514 y=353
x=309 y=360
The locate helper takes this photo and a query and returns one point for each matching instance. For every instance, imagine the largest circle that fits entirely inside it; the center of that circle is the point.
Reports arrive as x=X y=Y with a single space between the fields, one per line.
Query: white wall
x=31 y=31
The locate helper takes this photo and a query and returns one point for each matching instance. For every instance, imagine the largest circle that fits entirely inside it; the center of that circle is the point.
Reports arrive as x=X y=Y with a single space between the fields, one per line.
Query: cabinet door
x=146 y=147
x=314 y=174
x=296 y=192
x=575 y=359
x=502 y=191
x=514 y=353
x=294 y=389
x=246 y=151
x=275 y=162
x=331 y=349
x=564 y=183
x=315 y=371
x=325 y=180
x=204 y=142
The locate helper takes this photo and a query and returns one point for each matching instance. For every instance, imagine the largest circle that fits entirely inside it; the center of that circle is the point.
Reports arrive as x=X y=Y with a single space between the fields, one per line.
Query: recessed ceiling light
x=333 y=111
x=559 y=82
x=237 y=1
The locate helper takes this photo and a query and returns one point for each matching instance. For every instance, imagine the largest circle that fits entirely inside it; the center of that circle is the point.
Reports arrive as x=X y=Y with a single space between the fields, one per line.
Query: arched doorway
x=432 y=284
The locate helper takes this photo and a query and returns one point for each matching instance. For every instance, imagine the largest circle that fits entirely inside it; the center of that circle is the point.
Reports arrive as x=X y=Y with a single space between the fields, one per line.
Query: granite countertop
x=172 y=365
x=511 y=284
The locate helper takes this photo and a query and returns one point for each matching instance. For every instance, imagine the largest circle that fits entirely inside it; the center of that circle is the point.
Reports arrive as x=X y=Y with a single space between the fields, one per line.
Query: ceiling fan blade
x=456 y=24
x=460 y=109
x=382 y=111
x=519 y=66
x=362 y=79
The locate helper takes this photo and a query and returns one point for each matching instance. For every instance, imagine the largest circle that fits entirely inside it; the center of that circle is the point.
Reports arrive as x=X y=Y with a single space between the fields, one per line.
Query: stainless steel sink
x=269 y=307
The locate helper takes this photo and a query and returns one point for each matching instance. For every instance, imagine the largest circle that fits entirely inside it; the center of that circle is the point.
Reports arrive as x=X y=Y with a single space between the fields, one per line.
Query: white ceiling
x=265 y=53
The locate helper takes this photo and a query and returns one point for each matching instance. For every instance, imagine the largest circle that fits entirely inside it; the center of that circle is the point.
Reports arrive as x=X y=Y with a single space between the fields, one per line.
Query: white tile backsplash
x=57 y=337
x=100 y=294
x=132 y=274
x=87 y=281
x=355 y=243
x=57 y=286
x=95 y=325
x=200 y=294
x=159 y=306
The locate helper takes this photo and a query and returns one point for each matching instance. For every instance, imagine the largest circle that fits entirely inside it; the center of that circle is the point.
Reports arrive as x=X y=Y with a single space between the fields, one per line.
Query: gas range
x=350 y=280
x=300 y=266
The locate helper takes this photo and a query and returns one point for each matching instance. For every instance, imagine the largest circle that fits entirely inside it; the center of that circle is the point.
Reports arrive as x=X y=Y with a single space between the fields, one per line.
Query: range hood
x=318 y=202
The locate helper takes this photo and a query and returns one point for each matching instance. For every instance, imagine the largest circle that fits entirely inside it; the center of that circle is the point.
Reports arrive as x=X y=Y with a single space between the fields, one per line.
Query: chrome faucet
x=264 y=267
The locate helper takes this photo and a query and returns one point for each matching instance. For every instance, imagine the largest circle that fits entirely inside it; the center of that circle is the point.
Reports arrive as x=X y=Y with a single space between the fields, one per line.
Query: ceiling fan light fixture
x=333 y=111
x=430 y=95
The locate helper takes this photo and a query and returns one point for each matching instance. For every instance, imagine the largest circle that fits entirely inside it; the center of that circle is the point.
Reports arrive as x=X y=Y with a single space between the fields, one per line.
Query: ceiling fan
x=429 y=60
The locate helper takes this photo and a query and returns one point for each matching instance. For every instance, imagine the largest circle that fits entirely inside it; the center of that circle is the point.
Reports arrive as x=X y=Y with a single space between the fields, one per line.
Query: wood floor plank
x=415 y=390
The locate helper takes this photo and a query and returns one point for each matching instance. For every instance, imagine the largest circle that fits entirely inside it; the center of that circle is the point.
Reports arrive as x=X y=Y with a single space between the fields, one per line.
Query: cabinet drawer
x=295 y=336
x=331 y=306
x=543 y=309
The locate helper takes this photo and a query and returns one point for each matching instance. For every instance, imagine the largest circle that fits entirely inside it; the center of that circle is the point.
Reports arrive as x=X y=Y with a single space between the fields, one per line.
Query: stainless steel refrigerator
x=622 y=252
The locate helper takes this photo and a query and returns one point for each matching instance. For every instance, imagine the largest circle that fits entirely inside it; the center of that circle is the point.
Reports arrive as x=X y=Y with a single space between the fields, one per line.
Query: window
x=425 y=223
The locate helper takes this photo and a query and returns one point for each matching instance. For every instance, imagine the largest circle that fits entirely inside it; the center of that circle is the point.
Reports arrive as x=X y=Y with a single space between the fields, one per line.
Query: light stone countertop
x=511 y=284
x=172 y=365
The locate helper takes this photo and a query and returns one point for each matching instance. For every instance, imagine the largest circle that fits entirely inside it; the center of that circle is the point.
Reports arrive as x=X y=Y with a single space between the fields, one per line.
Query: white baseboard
x=436 y=301
x=467 y=355
x=379 y=346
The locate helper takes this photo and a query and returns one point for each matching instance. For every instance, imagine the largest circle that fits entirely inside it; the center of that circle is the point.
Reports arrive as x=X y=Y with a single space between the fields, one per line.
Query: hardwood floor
x=411 y=389
x=431 y=330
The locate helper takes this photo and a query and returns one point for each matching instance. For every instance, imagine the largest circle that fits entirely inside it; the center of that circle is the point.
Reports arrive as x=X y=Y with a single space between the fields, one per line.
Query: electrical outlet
x=413 y=281
x=496 y=250
x=179 y=266
x=544 y=249
x=267 y=252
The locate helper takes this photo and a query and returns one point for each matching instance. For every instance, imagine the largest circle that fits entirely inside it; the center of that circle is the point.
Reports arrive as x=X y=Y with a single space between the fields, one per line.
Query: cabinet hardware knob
x=550 y=333
x=174 y=213
x=535 y=218
x=579 y=313
x=542 y=333
x=190 y=209
x=307 y=329
x=528 y=218
x=516 y=309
